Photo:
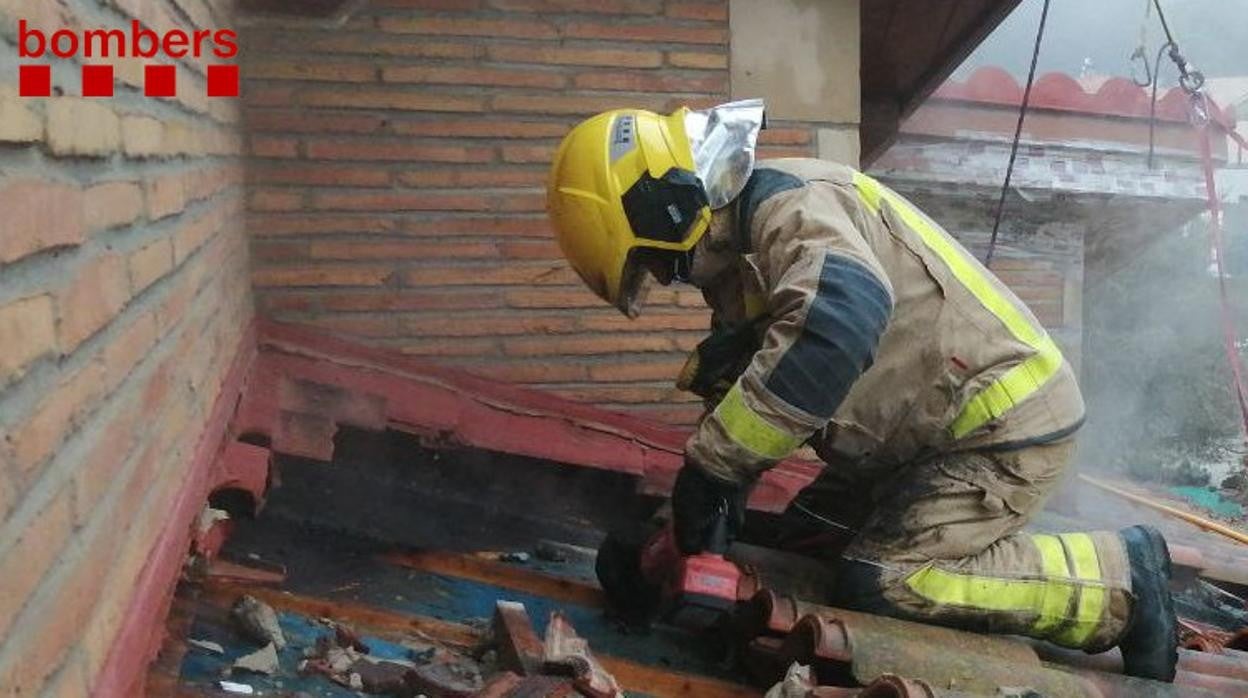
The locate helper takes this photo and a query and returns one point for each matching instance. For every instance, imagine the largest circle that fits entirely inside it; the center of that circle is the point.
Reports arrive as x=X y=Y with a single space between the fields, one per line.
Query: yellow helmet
x=622 y=185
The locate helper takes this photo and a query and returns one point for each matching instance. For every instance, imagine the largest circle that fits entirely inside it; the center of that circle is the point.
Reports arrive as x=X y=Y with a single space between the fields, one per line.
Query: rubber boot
x=1150 y=644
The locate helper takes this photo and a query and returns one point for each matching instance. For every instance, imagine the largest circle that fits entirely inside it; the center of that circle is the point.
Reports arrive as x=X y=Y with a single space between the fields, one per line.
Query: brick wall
x=123 y=296
x=397 y=166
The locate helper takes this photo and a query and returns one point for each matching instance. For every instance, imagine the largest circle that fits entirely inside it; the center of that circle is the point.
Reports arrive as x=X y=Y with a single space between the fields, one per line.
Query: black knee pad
x=860 y=587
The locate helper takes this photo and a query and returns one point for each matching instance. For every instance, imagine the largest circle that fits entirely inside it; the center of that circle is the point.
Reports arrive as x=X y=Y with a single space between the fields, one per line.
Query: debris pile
x=512 y=661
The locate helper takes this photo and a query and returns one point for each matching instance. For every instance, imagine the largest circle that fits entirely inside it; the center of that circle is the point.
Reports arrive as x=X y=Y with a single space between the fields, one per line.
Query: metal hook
x=1139 y=55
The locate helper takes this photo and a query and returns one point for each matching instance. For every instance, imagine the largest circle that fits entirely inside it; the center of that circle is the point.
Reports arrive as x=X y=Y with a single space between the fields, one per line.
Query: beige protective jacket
x=883 y=340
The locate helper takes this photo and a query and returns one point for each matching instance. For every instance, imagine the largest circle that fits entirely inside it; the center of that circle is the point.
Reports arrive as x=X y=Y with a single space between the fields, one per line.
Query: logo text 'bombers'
x=160 y=80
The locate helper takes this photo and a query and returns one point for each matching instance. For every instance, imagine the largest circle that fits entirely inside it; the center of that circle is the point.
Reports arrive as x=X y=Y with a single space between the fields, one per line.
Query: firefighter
x=846 y=319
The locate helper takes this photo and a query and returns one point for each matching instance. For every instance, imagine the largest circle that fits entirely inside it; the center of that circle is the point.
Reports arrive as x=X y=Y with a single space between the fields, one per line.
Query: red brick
x=102 y=466
x=658 y=31
x=71 y=681
x=656 y=322
x=269 y=95
x=525 y=372
x=700 y=61
x=651 y=82
x=278 y=251
x=376 y=45
x=321 y=70
x=408 y=299
x=542 y=274
x=276 y=200
x=494 y=77
x=531 y=249
x=27 y=332
x=784 y=136
x=662 y=369
x=528 y=153
x=456 y=26
x=444 y=5
x=484 y=177
x=98 y=292
x=606 y=7
x=194 y=233
x=274 y=147
x=61 y=622
x=39 y=215
x=401 y=201
x=60 y=412
x=766 y=152
x=322 y=276
x=554 y=298
x=297 y=121
x=521 y=201
x=37 y=546
x=517 y=226
x=402 y=250
x=149 y=264
x=421 y=100
x=585 y=345
x=447 y=347
x=128 y=349
x=261 y=225
x=166 y=195
x=403 y=150
x=707 y=11
x=319 y=174
x=487 y=325
x=112 y=204
x=480 y=128
x=368 y=326
x=579 y=105
x=560 y=55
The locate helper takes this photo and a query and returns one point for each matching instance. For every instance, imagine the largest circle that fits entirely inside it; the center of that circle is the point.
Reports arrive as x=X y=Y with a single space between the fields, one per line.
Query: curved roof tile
x=1113 y=97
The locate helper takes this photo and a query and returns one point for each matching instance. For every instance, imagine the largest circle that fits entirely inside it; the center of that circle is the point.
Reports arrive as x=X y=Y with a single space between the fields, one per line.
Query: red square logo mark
x=97 y=81
x=222 y=80
x=34 y=80
x=160 y=81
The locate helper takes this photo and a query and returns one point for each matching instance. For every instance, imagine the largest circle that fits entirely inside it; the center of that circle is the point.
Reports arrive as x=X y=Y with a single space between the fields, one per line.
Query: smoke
x=1155 y=375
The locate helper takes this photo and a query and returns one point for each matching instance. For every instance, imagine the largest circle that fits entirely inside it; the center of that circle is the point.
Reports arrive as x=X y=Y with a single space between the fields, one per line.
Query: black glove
x=707 y=512
x=714 y=365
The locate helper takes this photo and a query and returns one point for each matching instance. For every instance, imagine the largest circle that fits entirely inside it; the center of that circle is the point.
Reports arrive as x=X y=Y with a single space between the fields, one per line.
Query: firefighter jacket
x=881 y=339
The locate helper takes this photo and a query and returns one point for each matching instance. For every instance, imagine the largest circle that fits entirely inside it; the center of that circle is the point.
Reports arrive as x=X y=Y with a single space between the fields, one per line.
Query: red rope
x=1216 y=239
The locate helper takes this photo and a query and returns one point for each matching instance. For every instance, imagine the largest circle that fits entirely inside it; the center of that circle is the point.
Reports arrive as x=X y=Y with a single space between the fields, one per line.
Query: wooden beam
x=501 y=574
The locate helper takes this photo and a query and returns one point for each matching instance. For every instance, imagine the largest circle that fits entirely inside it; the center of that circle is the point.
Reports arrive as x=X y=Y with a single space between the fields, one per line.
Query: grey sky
x=1213 y=34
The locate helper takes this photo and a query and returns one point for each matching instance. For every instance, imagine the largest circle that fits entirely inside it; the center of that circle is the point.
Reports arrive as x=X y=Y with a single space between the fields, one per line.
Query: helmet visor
x=722 y=139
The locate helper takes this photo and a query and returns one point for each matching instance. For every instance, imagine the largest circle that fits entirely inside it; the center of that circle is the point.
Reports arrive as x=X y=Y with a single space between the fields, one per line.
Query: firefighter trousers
x=940 y=543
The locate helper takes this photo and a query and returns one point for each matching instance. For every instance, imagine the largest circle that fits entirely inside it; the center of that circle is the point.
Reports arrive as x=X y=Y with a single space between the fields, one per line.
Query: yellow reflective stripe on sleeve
x=1056 y=603
x=1092 y=590
x=1020 y=381
x=750 y=430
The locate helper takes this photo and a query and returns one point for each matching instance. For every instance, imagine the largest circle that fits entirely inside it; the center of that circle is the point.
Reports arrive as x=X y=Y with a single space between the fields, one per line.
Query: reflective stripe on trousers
x=1020 y=381
x=1068 y=599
